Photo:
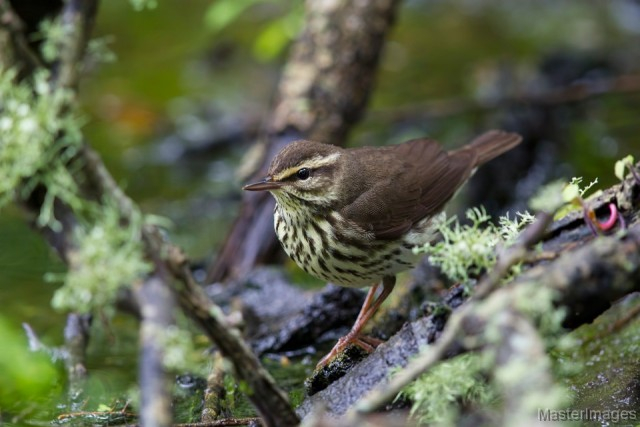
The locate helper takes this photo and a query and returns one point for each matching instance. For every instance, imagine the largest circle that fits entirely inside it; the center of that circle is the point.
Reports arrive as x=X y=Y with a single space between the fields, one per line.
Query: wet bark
x=322 y=94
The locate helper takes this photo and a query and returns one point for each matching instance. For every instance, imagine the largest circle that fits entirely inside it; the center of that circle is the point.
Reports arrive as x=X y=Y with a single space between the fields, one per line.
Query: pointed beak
x=265 y=185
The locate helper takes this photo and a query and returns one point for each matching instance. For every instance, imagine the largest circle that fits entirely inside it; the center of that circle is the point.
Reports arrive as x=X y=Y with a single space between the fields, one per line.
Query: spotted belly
x=347 y=257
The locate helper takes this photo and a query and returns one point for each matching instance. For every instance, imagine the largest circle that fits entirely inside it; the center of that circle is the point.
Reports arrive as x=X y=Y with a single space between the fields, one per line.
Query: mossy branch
x=97 y=190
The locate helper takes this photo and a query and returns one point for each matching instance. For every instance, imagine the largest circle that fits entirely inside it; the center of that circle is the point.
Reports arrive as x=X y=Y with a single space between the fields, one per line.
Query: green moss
x=40 y=133
x=438 y=394
x=466 y=251
x=602 y=367
x=181 y=352
x=108 y=255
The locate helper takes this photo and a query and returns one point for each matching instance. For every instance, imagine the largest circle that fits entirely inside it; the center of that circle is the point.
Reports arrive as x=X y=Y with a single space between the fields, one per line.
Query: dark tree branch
x=14 y=44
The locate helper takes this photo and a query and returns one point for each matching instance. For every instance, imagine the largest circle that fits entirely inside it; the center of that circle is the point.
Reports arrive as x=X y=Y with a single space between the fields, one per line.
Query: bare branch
x=156 y=307
x=78 y=17
x=76 y=340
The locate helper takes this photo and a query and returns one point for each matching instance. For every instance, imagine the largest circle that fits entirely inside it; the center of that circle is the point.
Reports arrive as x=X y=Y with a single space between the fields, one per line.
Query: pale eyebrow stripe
x=312 y=163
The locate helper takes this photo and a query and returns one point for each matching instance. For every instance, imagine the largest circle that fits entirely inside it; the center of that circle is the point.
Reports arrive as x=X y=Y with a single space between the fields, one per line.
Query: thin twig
x=214 y=394
x=514 y=254
x=76 y=340
x=619 y=85
x=432 y=355
x=226 y=422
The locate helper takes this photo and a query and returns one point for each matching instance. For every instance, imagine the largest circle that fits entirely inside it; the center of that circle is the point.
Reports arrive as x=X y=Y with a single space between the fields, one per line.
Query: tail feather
x=491 y=144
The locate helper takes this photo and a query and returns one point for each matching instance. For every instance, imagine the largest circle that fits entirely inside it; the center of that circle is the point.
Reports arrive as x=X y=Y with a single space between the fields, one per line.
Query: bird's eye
x=303 y=174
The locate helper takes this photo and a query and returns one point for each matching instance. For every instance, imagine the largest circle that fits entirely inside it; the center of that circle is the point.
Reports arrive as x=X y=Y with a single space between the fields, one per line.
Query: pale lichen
x=180 y=352
x=108 y=255
x=438 y=394
x=466 y=251
x=40 y=133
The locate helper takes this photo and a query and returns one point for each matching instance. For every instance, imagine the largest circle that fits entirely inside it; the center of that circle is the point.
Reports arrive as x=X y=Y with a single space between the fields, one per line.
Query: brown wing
x=414 y=180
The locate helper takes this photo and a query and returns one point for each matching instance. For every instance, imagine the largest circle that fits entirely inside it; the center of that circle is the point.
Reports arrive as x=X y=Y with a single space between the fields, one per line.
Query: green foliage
x=108 y=256
x=621 y=165
x=549 y=198
x=40 y=138
x=98 y=50
x=437 y=394
x=575 y=189
x=26 y=377
x=562 y=197
x=181 y=354
x=40 y=133
x=466 y=251
x=276 y=36
x=52 y=34
x=144 y=4
x=222 y=13
x=273 y=38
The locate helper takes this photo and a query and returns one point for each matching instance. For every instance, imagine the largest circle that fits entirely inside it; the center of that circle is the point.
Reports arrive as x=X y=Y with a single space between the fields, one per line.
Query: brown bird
x=353 y=216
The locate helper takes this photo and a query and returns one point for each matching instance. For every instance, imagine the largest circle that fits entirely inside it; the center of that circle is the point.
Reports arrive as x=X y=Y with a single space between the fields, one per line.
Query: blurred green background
x=190 y=76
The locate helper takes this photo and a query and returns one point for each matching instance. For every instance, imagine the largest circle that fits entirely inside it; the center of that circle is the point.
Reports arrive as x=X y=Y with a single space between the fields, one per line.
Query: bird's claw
x=367 y=343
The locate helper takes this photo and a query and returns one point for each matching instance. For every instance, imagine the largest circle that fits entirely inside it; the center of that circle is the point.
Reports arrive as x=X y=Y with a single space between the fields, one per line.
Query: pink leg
x=367 y=311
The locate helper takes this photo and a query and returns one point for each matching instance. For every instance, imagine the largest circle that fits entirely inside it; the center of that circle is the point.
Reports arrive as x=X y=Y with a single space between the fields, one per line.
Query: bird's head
x=304 y=172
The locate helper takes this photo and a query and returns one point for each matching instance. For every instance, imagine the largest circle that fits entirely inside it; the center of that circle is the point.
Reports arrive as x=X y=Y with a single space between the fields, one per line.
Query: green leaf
x=620 y=166
x=271 y=41
x=570 y=193
x=223 y=12
x=26 y=377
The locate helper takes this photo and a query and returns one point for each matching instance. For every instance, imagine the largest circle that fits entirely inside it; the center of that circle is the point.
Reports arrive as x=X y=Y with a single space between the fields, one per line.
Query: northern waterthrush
x=353 y=216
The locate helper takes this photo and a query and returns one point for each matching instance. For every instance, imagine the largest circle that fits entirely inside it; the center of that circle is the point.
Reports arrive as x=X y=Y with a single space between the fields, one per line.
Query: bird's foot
x=365 y=342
